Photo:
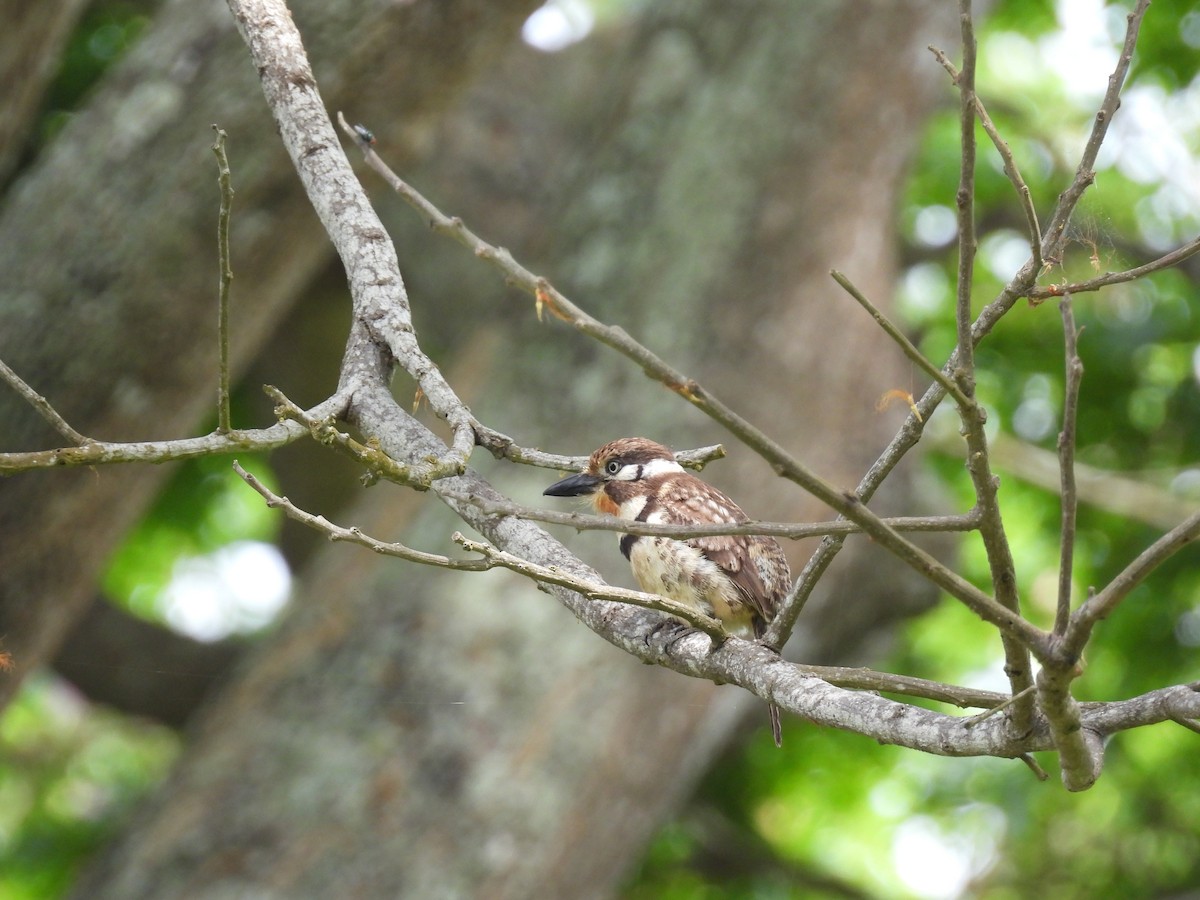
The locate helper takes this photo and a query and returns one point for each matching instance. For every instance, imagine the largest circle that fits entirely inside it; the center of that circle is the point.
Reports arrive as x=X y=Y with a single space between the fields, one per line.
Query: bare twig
x=1066 y=459
x=991 y=524
x=353 y=535
x=41 y=405
x=902 y=341
x=492 y=558
x=225 y=182
x=1038 y=772
x=793 y=531
x=906 y=685
x=1009 y=700
x=1010 y=164
x=502 y=446
x=964 y=200
x=1020 y=285
x=1094 y=284
x=95 y=453
x=496 y=557
x=325 y=432
x=1055 y=235
x=1102 y=604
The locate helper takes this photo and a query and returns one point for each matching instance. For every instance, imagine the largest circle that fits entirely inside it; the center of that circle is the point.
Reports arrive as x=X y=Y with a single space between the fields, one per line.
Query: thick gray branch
x=372 y=268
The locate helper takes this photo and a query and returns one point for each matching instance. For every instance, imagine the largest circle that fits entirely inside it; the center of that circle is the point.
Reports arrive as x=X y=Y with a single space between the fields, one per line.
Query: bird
x=739 y=579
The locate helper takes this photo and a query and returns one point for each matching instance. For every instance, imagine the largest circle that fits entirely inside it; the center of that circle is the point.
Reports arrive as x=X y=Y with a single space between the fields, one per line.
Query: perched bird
x=739 y=579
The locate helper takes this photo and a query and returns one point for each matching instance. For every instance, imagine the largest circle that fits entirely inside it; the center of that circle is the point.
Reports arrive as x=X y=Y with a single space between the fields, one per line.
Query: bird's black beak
x=574 y=486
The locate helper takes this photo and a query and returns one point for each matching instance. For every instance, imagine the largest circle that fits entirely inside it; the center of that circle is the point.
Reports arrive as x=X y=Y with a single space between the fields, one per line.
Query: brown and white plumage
x=740 y=579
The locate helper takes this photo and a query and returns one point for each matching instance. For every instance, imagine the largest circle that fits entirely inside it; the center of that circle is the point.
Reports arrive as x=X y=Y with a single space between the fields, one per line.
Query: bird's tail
x=760 y=628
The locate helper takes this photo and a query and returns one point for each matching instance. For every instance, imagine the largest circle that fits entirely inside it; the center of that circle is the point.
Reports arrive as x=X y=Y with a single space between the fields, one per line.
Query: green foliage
x=205 y=506
x=1168 y=44
x=108 y=29
x=880 y=821
x=68 y=775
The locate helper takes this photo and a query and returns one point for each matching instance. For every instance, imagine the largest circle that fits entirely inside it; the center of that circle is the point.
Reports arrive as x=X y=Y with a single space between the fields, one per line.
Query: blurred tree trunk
x=691 y=175
x=30 y=53
x=108 y=249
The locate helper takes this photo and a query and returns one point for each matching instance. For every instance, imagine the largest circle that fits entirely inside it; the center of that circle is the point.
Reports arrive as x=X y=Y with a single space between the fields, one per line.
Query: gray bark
x=431 y=735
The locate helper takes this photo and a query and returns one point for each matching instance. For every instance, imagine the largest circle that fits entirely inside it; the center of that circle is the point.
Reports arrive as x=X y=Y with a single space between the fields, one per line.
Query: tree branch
x=95 y=453
x=492 y=558
x=1036 y=295
x=1055 y=235
x=1066 y=457
x=502 y=446
x=973 y=417
x=225 y=183
x=808 y=691
x=1020 y=285
x=1080 y=750
x=1100 y=606
x=381 y=311
x=41 y=405
x=907 y=346
x=793 y=531
x=373 y=348
x=1010 y=164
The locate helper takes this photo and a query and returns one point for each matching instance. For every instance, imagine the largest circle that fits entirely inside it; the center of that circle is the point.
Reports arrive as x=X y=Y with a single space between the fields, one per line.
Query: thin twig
x=907 y=686
x=502 y=446
x=95 y=453
x=1055 y=236
x=991 y=526
x=1010 y=163
x=353 y=535
x=323 y=431
x=1038 y=772
x=894 y=332
x=1094 y=284
x=965 y=202
x=42 y=406
x=1008 y=701
x=790 y=530
x=1066 y=461
x=225 y=182
x=1100 y=606
x=492 y=558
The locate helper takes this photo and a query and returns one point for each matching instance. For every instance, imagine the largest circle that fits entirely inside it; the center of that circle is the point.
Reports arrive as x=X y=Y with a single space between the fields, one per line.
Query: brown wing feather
x=748 y=561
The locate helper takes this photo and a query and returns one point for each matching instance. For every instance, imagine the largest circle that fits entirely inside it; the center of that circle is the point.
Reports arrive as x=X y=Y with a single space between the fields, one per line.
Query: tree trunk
x=30 y=53
x=692 y=177
x=108 y=248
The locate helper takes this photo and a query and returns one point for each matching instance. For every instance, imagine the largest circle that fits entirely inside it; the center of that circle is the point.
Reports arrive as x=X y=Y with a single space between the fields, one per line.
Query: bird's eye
x=612 y=467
